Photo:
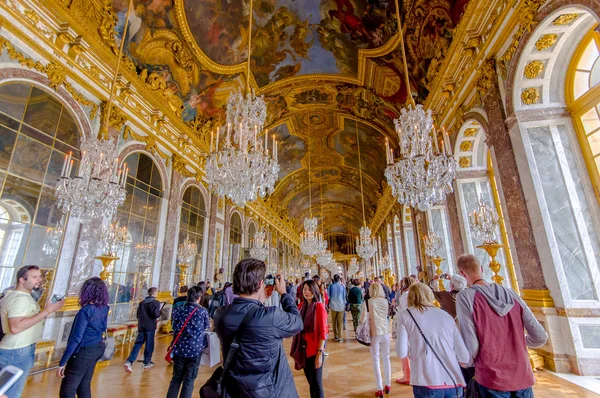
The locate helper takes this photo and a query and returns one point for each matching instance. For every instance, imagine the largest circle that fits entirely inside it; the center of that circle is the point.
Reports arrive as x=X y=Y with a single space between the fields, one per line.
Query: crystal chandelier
x=112 y=239
x=311 y=241
x=240 y=167
x=144 y=253
x=365 y=244
x=353 y=266
x=423 y=174
x=53 y=238
x=385 y=262
x=324 y=258
x=186 y=252
x=432 y=243
x=259 y=249
x=484 y=222
x=97 y=188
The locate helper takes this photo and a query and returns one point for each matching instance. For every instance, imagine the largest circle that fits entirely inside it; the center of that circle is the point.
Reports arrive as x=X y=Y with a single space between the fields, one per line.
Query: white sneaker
x=325 y=353
x=149 y=365
x=128 y=367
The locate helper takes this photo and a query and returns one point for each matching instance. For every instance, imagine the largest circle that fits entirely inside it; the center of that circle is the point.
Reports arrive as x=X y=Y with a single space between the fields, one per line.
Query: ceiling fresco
x=320 y=64
x=290 y=37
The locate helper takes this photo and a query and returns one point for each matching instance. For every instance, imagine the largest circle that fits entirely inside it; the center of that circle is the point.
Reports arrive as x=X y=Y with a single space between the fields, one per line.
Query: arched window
x=560 y=154
x=36 y=131
x=251 y=232
x=409 y=239
x=437 y=222
x=235 y=241
x=584 y=101
x=474 y=183
x=140 y=215
x=191 y=225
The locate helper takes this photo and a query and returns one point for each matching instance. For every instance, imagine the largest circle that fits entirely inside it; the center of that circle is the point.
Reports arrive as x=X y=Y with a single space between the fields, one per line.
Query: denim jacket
x=193 y=339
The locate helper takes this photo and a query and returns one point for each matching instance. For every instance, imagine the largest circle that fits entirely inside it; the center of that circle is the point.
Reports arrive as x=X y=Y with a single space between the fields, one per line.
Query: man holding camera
x=260 y=367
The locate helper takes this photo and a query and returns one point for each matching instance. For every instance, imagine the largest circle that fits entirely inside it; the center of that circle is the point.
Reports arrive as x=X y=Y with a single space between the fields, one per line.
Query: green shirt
x=355 y=296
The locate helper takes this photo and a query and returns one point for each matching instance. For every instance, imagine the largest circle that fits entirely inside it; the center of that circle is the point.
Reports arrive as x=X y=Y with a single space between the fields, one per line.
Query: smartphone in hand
x=8 y=377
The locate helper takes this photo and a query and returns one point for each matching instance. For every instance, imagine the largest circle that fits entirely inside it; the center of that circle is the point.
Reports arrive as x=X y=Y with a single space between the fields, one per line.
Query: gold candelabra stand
x=388 y=277
x=491 y=249
x=182 y=274
x=437 y=260
x=106 y=260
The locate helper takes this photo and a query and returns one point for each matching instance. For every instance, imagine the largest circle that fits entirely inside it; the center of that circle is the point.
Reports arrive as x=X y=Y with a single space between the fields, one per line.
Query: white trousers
x=380 y=348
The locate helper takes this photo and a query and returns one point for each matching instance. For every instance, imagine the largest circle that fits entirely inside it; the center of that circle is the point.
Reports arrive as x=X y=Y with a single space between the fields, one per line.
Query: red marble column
x=514 y=198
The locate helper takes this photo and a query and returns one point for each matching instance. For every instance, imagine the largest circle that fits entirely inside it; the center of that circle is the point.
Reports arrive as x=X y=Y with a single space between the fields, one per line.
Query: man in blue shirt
x=337 y=304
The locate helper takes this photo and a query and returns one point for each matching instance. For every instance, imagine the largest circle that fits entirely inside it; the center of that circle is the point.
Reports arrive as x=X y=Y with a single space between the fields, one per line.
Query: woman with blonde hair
x=380 y=337
x=436 y=347
x=401 y=305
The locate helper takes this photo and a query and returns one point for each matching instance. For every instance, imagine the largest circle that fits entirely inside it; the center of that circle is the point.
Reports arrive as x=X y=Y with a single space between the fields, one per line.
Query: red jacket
x=320 y=332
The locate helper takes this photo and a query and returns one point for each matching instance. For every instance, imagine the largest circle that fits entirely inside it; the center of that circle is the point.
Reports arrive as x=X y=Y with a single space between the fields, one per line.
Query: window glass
x=130 y=280
x=191 y=225
x=31 y=156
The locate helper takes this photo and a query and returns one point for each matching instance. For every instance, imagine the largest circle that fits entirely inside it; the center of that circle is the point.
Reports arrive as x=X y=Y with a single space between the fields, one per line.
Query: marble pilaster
x=210 y=253
x=516 y=205
x=168 y=260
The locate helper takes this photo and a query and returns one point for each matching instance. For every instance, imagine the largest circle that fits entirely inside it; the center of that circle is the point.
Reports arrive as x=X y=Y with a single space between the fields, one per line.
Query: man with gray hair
x=492 y=319
x=447 y=299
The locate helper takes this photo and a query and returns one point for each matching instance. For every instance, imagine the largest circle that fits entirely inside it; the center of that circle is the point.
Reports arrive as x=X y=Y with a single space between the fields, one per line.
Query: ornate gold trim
x=55 y=73
x=71 y=304
x=533 y=69
x=165 y=297
x=565 y=19
x=530 y=96
x=150 y=141
x=546 y=41
x=537 y=298
x=527 y=13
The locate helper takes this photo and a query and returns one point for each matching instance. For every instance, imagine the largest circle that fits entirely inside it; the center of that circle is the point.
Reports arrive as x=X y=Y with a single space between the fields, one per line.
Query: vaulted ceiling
x=327 y=68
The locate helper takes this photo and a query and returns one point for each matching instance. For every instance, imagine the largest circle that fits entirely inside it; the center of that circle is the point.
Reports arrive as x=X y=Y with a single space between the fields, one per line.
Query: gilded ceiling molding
x=55 y=73
x=527 y=13
x=533 y=69
x=384 y=206
x=117 y=118
x=150 y=141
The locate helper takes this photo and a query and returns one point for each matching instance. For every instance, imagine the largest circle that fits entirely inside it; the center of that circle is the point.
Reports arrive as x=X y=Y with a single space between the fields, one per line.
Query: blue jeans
x=425 y=392
x=146 y=337
x=23 y=359
x=489 y=393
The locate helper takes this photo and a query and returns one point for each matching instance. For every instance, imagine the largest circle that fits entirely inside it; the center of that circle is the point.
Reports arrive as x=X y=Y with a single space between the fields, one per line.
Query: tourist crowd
x=465 y=340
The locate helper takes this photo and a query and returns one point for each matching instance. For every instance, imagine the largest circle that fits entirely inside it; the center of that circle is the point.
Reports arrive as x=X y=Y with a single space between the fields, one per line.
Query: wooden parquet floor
x=347 y=373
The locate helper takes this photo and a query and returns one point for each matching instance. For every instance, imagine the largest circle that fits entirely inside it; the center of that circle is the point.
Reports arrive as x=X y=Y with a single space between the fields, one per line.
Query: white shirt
x=442 y=333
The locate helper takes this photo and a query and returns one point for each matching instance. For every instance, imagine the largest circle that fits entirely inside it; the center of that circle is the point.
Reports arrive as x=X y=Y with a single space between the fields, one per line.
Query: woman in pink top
x=436 y=347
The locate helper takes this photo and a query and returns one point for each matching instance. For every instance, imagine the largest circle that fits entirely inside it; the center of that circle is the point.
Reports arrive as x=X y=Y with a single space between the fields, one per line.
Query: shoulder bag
x=213 y=388
x=169 y=356
x=109 y=347
x=434 y=353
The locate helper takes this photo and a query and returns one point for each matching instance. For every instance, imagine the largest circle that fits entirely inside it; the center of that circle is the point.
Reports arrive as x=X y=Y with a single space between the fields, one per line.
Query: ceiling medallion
x=423 y=174
x=241 y=168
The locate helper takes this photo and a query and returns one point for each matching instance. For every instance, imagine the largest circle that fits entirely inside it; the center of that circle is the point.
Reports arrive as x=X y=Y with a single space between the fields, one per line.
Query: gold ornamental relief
x=464 y=162
x=471 y=132
x=530 y=96
x=117 y=118
x=533 y=69
x=546 y=41
x=466 y=146
x=56 y=74
x=565 y=19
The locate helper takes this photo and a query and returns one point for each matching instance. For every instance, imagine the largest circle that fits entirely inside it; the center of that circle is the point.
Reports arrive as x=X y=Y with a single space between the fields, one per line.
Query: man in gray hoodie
x=492 y=322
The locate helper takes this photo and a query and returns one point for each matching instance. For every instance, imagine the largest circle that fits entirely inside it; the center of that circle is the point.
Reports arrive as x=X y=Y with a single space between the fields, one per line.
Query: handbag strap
x=235 y=345
x=183 y=327
x=432 y=350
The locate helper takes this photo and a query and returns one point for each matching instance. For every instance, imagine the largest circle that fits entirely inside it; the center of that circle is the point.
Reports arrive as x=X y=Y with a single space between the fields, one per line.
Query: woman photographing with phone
x=308 y=345
x=85 y=346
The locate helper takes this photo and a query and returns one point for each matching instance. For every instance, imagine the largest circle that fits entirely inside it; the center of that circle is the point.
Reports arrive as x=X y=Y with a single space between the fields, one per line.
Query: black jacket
x=260 y=368
x=147 y=313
